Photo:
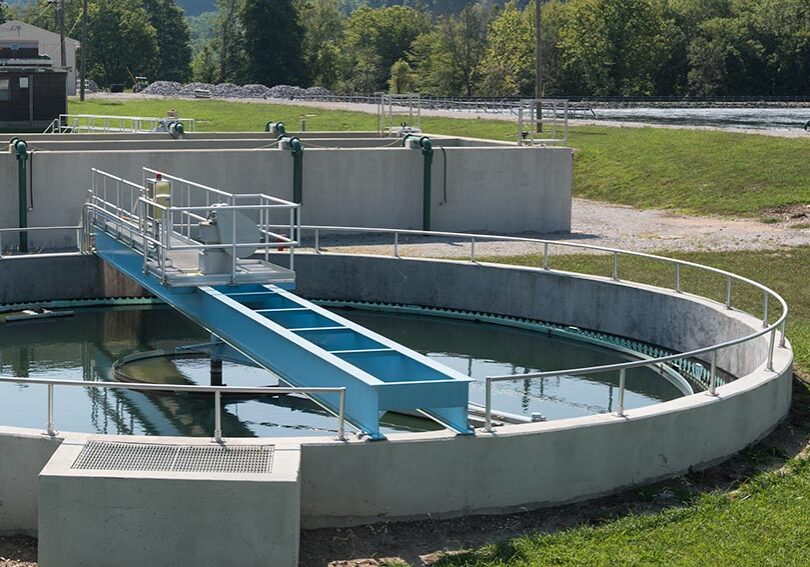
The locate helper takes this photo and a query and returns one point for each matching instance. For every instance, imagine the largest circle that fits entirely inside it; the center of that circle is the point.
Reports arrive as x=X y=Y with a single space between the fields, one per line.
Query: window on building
x=5 y=90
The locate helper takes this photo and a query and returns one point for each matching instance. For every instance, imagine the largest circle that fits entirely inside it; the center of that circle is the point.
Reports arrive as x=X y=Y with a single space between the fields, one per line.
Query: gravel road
x=611 y=226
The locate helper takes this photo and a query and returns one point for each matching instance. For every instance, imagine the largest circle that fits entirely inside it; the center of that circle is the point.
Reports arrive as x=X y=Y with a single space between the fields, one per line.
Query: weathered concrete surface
x=134 y=518
x=67 y=277
x=23 y=453
x=496 y=188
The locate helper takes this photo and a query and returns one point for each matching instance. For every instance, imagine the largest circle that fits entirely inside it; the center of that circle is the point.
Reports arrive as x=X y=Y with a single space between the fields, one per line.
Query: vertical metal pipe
x=51 y=429
x=771 y=348
x=427 y=189
x=317 y=241
x=783 y=339
x=342 y=415
x=713 y=375
x=218 y=416
x=545 y=255
x=396 y=244
x=472 y=249
x=765 y=308
x=622 y=387
x=728 y=292
x=488 y=405
x=678 y=278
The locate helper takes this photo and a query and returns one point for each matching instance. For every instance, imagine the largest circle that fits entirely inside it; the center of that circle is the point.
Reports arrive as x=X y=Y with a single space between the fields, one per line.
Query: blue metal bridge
x=207 y=253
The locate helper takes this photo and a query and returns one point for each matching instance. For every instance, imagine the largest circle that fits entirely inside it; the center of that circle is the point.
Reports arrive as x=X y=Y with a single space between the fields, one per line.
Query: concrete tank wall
x=525 y=466
x=498 y=189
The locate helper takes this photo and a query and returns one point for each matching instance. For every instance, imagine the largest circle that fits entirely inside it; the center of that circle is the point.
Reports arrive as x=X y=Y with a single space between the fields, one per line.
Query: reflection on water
x=753 y=118
x=84 y=347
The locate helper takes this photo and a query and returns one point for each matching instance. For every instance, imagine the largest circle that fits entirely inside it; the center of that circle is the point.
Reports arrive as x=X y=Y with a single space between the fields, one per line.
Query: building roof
x=14 y=29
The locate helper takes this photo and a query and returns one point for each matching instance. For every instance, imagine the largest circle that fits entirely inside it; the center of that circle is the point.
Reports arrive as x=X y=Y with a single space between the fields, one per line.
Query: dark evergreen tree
x=174 y=40
x=274 y=42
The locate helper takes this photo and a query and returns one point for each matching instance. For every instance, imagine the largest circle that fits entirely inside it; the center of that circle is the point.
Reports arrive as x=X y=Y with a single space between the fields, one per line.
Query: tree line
x=483 y=48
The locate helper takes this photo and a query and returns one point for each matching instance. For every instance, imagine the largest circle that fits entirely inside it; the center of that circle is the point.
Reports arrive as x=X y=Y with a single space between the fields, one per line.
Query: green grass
x=699 y=172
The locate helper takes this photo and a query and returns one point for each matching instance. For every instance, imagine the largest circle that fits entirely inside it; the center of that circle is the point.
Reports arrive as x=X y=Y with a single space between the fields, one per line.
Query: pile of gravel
x=229 y=90
x=163 y=88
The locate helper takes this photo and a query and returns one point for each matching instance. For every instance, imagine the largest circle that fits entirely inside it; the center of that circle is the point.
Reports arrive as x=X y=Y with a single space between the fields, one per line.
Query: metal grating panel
x=99 y=455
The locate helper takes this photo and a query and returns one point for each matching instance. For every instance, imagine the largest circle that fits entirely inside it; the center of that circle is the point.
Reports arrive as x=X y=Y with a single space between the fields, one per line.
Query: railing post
x=622 y=387
x=771 y=347
x=545 y=255
x=51 y=430
x=783 y=339
x=472 y=249
x=488 y=405
x=728 y=292
x=317 y=241
x=713 y=375
x=396 y=245
x=342 y=415
x=217 y=416
x=678 y=278
x=615 y=266
x=765 y=314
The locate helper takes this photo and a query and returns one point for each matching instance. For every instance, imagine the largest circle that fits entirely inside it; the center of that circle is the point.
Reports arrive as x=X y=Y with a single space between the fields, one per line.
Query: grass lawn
x=700 y=172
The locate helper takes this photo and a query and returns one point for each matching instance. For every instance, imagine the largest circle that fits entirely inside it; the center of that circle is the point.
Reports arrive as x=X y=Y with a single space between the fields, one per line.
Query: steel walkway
x=302 y=343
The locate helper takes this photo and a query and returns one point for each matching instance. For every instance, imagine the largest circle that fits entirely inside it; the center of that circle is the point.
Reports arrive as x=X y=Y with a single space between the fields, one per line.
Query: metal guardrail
x=77 y=123
x=77 y=229
x=770 y=297
x=51 y=383
x=160 y=230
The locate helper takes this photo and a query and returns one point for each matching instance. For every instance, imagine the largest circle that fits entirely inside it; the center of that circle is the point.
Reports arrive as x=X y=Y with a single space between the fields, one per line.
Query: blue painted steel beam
x=306 y=346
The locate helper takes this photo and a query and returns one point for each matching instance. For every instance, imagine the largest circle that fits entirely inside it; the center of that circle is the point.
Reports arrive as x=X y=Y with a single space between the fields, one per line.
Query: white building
x=49 y=44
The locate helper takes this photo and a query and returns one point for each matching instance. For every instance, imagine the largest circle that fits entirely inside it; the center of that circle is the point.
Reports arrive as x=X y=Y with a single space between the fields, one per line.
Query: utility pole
x=538 y=83
x=84 y=53
x=61 y=14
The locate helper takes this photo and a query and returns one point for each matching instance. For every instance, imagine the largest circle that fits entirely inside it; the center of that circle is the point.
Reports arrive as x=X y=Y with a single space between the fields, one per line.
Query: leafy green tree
x=230 y=40
x=449 y=57
x=616 y=46
x=402 y=78
x=274 y=41
x=205 y=65
x=374 y=40
x=508 y=67
x=174 y=48
x=717 y=58
x=121 y=41
x=323 y=28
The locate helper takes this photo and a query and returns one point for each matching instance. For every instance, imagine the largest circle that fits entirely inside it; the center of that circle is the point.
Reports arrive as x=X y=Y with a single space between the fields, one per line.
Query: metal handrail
x=29 y=229
x=104 y=123
x=768 y=328
x=769 y=297
x=216 y=390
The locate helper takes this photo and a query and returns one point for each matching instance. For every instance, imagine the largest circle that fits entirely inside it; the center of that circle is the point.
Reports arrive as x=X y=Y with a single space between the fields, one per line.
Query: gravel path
x=611 y=226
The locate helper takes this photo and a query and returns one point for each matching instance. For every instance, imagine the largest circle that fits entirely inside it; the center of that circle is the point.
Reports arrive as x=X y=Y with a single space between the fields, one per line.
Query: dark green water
x=85 y=346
